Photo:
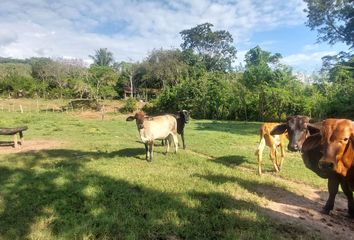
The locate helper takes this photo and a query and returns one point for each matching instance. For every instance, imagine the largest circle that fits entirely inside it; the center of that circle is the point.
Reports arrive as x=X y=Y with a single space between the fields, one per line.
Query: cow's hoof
x=350 y=213
x=325 y=211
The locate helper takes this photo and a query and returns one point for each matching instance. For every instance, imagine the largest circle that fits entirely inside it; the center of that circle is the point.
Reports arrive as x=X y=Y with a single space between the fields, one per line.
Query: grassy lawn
x=98 y=185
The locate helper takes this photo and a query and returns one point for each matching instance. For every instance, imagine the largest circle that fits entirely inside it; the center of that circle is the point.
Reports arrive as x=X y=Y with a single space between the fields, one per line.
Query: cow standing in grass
x=273 y=142
x=182 y=118
x=157 y=127
x=305 y=137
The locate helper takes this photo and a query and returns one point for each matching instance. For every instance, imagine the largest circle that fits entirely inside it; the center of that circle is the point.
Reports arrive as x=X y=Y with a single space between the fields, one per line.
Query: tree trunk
x=131 y=85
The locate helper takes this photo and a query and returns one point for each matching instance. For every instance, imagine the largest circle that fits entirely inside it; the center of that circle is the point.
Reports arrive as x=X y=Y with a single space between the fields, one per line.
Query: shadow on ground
x=266 y=190
x=241 y=128
x=231 y=161
x=53 y=194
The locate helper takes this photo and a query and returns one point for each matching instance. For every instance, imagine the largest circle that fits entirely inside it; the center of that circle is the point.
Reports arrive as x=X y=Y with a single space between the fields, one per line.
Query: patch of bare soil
x=302 y=206
x=30 y=145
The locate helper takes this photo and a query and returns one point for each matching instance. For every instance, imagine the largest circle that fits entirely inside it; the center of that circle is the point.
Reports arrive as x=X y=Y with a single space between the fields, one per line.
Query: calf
x=272 y=141
x=304 y=136
x=152 y=128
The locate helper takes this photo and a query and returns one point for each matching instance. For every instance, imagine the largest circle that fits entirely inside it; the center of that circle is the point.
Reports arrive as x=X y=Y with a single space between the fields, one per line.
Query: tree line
x=201 y=76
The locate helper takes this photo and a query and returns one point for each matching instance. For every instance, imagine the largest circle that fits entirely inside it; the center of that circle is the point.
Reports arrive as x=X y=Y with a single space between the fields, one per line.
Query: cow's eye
x=345 y=139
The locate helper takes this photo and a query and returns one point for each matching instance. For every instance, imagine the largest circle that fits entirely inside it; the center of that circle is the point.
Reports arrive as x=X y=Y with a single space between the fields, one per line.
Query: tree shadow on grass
x=128 y=152
x=231 y=161
x=267 y=190
x=55 y=194
x=241 y=128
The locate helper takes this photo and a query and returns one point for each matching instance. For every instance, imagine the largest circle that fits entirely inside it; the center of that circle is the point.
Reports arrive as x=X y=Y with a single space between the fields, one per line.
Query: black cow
x=182 y=118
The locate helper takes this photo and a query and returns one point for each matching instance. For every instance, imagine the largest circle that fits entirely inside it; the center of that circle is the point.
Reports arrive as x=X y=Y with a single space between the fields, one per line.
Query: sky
x=132 y=29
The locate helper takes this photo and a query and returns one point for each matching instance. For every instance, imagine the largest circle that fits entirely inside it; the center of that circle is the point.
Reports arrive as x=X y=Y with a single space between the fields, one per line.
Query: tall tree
x=333 y=19
x=126 y=70
x=102 y=57
x=258 y=67
x=214 y=47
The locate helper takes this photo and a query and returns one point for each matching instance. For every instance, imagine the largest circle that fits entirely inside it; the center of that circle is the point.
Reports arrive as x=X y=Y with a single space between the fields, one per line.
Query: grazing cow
x=157 y=127
x=272 y=141
x=304 y=136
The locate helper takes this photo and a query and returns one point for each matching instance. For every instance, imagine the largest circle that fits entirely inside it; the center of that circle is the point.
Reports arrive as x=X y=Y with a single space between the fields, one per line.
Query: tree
x=333 y=20
x=103 y=79
x=213 y=47
x=164 y=68
x=258 y=67
x=102 y=57
x=126 y=70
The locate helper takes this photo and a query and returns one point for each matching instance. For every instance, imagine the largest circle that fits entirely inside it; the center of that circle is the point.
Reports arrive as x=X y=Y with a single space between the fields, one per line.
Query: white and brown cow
x=153 y=128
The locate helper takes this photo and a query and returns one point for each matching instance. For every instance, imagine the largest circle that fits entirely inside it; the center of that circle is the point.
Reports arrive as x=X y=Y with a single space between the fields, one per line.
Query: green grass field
x=97 y=185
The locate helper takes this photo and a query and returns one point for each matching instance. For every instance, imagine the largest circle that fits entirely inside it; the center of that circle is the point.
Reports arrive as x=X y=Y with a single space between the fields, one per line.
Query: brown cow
x=272 y=141
x=305 y=137
x=338 y=146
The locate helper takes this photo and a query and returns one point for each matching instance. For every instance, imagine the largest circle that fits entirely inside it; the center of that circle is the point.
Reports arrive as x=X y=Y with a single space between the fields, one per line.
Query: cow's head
x=298 y=129
x=139 y=117
x=184 y=114
x=337 y=139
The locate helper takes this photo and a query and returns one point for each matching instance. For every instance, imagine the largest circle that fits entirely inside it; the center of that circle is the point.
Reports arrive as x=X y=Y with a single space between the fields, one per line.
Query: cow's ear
x=130 y=118
x=313 y=128
x=280 y=129
x=311 y=142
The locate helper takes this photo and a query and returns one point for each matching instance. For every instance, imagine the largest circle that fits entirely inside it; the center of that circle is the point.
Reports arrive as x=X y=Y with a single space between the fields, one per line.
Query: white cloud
x=306 y=61
x=75 y=28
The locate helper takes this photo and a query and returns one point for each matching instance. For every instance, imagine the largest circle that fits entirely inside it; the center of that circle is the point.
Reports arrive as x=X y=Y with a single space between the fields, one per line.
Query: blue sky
x=131 y=29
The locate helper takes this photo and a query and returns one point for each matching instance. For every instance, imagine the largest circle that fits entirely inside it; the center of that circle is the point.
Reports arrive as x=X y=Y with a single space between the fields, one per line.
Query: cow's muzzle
x=294 y=147
x=326 y=165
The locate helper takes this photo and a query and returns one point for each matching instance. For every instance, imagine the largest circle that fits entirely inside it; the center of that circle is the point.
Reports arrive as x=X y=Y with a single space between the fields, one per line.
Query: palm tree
x=102 y=57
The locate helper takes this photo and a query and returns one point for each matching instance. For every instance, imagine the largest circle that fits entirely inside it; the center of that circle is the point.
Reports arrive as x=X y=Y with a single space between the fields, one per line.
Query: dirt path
x=31 y=145
x=302 y=206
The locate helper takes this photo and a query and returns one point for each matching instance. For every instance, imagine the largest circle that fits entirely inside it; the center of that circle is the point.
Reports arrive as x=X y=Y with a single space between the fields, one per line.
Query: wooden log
x=12 y=131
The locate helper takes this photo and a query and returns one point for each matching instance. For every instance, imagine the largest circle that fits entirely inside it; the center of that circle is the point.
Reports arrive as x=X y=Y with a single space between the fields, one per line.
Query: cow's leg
x=332 y=184
x=259 y=153
x=167 y=142
x=281 y=156
x=151 y=150
x=349 y=195
x=146 y=151
x=273 y=156
x=175 y=141
x=182 y=136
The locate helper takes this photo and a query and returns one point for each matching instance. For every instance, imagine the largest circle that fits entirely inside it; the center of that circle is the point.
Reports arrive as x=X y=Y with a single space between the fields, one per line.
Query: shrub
x=129 y=105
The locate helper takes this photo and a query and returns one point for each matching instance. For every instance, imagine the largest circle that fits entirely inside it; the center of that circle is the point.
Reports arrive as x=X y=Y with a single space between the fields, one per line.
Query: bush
x=129 y=105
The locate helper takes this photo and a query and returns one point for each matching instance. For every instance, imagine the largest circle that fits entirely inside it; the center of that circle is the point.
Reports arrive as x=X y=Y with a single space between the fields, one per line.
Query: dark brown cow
x=305 y=137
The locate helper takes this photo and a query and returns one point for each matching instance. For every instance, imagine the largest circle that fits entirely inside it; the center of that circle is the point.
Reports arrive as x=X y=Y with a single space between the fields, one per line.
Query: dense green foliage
x=333 y=19
x=199 y=77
